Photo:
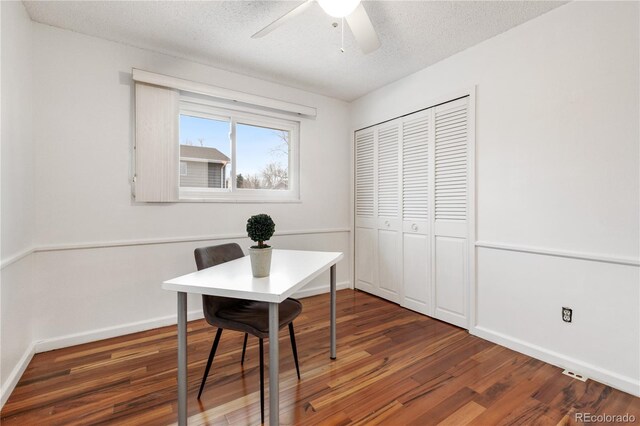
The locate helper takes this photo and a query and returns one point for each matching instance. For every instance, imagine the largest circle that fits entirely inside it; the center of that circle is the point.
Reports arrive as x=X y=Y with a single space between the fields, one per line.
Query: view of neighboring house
x=202 y=167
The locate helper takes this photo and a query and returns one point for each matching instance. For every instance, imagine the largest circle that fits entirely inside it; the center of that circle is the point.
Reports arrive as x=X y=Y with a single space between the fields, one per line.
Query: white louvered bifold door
x=416 y=239
x=365 y=210
x=412 y=234
x=450 y=206
x=389 y=209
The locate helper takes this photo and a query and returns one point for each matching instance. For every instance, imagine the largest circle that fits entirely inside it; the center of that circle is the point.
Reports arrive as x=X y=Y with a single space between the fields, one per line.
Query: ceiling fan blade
x=284 y=18
x=363 y=30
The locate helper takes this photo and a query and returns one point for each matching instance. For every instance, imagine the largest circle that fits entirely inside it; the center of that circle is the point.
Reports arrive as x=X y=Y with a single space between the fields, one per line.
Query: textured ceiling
x=304 y=53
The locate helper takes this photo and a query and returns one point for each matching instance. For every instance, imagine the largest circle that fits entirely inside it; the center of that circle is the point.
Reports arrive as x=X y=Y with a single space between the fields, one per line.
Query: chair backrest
x=207 y=257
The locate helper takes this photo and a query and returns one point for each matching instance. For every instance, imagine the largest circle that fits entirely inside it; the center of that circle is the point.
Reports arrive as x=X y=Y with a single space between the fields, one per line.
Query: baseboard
x=313 y=291
x=108 y=332
x=84 y=337
x=15 y=375
x=618 y=381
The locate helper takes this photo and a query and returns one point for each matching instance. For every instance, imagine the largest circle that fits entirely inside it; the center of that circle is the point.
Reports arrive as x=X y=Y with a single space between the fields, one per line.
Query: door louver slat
x=388 y=140
x=364 y=174
x=451 y=164
x=415 y=160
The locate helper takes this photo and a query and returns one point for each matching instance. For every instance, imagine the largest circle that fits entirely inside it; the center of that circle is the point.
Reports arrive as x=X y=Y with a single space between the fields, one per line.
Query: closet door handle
x=414 y=227
x=386 y=223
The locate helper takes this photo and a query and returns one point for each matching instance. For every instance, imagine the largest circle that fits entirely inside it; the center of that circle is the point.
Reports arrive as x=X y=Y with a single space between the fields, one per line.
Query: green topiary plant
x=260 y=228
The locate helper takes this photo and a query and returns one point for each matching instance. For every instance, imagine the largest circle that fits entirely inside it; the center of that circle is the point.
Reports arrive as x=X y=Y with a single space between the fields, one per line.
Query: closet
x=412 y=206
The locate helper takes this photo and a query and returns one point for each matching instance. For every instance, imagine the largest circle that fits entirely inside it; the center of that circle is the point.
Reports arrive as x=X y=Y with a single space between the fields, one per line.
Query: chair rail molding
x=17 y=257
x=151 y=241
x=174 y=240
x=569 y=254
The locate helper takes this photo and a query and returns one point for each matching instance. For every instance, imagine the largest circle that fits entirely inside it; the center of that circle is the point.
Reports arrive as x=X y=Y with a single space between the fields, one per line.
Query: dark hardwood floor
x=394 y=367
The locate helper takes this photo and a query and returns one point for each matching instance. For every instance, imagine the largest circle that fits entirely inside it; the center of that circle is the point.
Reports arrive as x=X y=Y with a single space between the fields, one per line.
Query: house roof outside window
x=202 y=153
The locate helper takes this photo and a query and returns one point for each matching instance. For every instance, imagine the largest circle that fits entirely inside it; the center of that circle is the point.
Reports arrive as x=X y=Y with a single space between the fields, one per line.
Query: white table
x=290 y=271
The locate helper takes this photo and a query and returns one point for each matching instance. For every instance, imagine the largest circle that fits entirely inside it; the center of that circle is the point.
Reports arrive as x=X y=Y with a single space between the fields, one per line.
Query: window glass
x=232 y=155
x=205 y=150
x=262 y=157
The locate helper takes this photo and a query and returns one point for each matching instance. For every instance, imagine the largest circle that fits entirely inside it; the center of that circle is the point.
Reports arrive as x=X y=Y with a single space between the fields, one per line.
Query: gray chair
x=247 y=316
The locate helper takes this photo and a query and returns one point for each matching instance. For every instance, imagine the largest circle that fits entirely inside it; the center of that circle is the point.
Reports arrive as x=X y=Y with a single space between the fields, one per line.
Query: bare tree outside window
x=274 y=172
x=274 y=176
x=283 y=148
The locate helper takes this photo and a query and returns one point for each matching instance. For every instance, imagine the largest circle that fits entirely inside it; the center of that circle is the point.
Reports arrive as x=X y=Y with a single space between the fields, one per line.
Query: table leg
x=182 y=358
x=333 y=311
x=274 y=364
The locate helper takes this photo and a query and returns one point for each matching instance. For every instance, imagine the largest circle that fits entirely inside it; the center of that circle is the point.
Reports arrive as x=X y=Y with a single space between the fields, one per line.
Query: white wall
x=17 y=203
x=17 y=142
x=557 y=140
x=83 y=131
x=100 y=257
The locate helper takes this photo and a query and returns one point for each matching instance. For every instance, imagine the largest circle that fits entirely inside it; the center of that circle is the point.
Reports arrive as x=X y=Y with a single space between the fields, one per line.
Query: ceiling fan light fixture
x=338 y=8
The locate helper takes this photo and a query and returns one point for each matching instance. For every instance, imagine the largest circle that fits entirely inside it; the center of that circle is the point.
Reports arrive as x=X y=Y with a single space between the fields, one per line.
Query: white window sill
x=237 y=200
x=199 y=196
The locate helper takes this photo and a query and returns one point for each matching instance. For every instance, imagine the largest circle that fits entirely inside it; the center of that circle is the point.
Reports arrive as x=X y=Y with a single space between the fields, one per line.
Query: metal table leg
x=182 y=359
x=333 y=311
x=274 y=361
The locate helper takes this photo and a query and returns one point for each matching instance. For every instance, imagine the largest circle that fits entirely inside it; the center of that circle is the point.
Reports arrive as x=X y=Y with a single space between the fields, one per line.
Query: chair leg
x=292 y=335
x=244 y=347
x=211 y=355
x=262 y=380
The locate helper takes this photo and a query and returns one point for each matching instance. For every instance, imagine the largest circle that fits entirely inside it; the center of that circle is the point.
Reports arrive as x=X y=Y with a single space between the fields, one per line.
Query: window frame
x=209 y=110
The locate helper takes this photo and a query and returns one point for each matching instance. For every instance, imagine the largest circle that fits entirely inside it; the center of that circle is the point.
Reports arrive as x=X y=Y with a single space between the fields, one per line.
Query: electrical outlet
x=567 y=314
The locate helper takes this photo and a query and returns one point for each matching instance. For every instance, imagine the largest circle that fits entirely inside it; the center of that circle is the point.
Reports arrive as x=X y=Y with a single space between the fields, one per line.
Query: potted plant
x=260 y=228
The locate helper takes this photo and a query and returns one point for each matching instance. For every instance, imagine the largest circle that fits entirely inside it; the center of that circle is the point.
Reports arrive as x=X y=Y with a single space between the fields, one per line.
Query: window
x=236 y=155
x=195 y=142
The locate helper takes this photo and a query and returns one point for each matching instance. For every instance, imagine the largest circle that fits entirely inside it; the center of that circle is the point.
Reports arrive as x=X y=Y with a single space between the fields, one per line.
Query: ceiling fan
x=351 y=10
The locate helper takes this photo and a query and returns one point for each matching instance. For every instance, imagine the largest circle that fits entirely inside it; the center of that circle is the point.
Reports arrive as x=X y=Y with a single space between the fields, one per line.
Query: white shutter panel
x=388 y=143
x=415 y=168
x=451 y=162
x=157 y=112
x=364 y=173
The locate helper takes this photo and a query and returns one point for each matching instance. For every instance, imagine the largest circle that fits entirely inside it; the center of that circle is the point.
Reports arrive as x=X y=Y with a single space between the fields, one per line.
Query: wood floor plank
x=394 y=367
x=500 y=404
x=382 y=415
x=464 y=415
x=443 y=410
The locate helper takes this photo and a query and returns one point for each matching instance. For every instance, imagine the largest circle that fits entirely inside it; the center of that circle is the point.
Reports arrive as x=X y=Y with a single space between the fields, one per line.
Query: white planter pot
x=260 y=261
